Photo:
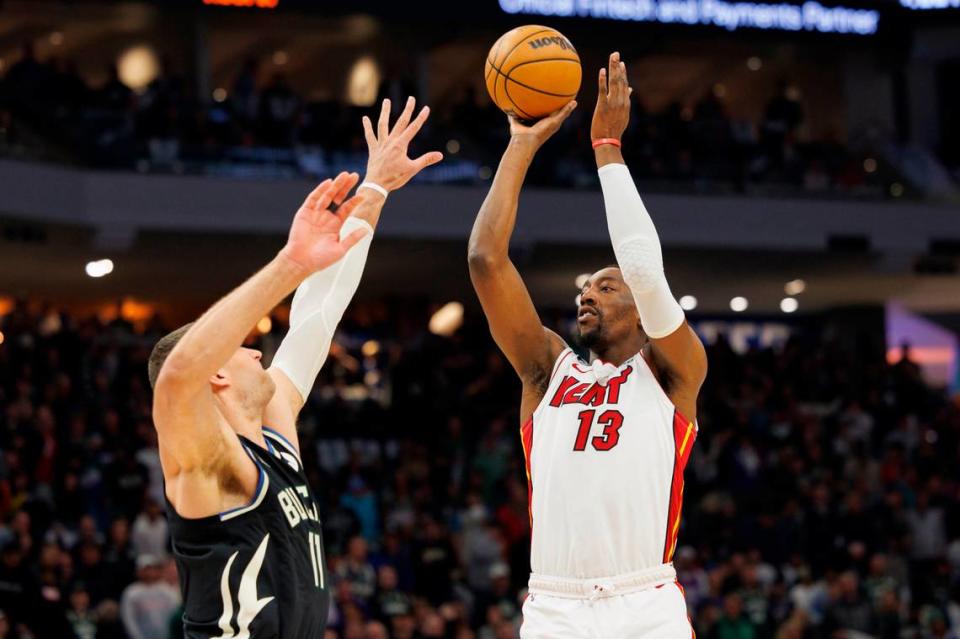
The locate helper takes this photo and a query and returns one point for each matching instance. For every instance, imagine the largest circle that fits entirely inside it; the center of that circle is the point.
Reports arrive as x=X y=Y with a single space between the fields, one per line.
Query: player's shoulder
x=562 y=355
x=556 y=345
x=539 y=371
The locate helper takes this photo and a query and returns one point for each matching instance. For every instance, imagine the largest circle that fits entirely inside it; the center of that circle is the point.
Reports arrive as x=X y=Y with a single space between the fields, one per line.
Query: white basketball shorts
x=639 y=606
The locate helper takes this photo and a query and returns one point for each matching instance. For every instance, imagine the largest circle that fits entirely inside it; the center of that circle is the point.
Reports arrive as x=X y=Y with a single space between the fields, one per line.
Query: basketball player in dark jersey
x=244 y=524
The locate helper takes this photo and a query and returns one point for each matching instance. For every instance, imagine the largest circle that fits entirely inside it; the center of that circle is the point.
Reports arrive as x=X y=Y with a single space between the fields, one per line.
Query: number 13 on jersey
x=611 y=420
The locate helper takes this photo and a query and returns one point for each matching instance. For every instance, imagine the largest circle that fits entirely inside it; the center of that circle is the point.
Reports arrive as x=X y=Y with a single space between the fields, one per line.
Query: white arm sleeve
x=637 y=247
x=317 y=308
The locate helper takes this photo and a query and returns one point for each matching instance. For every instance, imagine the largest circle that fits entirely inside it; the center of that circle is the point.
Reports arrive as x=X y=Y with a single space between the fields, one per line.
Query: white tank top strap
x=563 y=358
x=597 y=587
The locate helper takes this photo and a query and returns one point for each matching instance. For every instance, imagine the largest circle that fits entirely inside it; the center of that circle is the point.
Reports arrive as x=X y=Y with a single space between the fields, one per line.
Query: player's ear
x=219 y=380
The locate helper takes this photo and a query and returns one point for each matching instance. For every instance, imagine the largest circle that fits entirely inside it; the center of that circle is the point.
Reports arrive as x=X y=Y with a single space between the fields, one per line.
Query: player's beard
x=593 y=337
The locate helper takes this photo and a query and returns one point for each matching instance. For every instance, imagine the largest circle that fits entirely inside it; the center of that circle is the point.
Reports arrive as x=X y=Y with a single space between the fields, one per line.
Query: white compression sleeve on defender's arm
x=317 y=308
x=637 y=247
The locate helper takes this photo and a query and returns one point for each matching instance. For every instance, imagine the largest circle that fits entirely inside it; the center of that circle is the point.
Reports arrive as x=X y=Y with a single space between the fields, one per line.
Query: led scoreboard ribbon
x=930 y=4
x=730 y=15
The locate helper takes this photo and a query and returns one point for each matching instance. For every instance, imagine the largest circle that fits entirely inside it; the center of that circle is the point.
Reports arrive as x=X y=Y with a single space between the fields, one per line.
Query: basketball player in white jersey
x=605 y=440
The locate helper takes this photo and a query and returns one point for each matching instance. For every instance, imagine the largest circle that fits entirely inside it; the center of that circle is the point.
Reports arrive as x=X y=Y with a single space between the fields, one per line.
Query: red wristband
x=600 y=141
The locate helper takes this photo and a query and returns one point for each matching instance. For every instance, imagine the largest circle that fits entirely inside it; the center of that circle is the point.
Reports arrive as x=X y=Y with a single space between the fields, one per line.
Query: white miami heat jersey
x=605 y=453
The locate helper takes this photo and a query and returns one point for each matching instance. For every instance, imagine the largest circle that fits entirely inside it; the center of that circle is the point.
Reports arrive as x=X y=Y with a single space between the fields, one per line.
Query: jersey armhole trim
x=567 y=352
x=696 y=426
x=263 y=483
x=282 y=442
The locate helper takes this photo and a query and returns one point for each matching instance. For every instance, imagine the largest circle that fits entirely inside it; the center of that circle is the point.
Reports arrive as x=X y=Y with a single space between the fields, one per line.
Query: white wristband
x=375 y=187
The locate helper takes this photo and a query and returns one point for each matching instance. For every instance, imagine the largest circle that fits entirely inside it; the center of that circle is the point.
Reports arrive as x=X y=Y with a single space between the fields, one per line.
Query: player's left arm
x=636 y=244
x=322 y=298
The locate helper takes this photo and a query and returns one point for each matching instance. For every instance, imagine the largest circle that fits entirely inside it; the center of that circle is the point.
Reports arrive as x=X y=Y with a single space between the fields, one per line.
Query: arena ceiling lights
x=778 y=16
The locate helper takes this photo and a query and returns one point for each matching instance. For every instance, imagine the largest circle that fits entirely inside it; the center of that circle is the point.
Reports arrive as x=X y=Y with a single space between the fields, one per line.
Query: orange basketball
x=532 y=71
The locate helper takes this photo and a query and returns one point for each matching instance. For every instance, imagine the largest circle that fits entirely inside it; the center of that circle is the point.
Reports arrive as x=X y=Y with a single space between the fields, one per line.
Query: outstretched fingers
x=343 y=185
x=619 y=85
x=368 y=133
x=613 y=66
x=401 y=124
x=383 y=125
x=427 y=159
x=317 y=193
x=416 y=125
x=324 y=194
x=556 y=118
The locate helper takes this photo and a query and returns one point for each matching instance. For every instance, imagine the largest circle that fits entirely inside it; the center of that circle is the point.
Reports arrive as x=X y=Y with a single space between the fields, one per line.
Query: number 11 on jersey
x=316 y=558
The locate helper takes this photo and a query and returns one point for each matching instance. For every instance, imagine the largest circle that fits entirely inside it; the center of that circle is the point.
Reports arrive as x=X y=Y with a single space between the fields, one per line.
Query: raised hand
x=537 y=134
x=612 y=115
x=388 y=164
x=314 y=242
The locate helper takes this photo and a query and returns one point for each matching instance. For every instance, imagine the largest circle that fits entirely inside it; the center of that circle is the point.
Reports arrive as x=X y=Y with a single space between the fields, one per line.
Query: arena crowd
x=821 y=497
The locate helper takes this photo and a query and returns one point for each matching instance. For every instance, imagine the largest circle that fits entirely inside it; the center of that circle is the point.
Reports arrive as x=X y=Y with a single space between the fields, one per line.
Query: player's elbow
x=177 y=378
x=482 y=261
x=693 y=371
x=173 y=375
x=168 y=392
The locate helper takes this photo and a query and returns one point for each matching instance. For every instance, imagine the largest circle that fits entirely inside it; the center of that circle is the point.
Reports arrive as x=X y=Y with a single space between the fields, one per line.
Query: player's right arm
x=322 y=298
x=194 y=441
x=514 y=323
x=676 y=348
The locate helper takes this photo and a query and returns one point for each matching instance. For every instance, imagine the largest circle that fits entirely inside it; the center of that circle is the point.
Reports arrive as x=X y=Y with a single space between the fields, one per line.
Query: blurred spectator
x=434 y=562
x=927 y=530
x=127 y=479
x=148 y=602
x=375 y=630
x=848 y=611
x=25 y=75
x=150 y=536
x=360 y=500
x=888 y=616
x=18 y=588
x=113 y=95
x=733 y=624
x=357 y=571
x=390 y=600
x=278 y=110
x=499 y=594
x=244 y=96
x=119 y=559
x=780 y=122
x=79 y=615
